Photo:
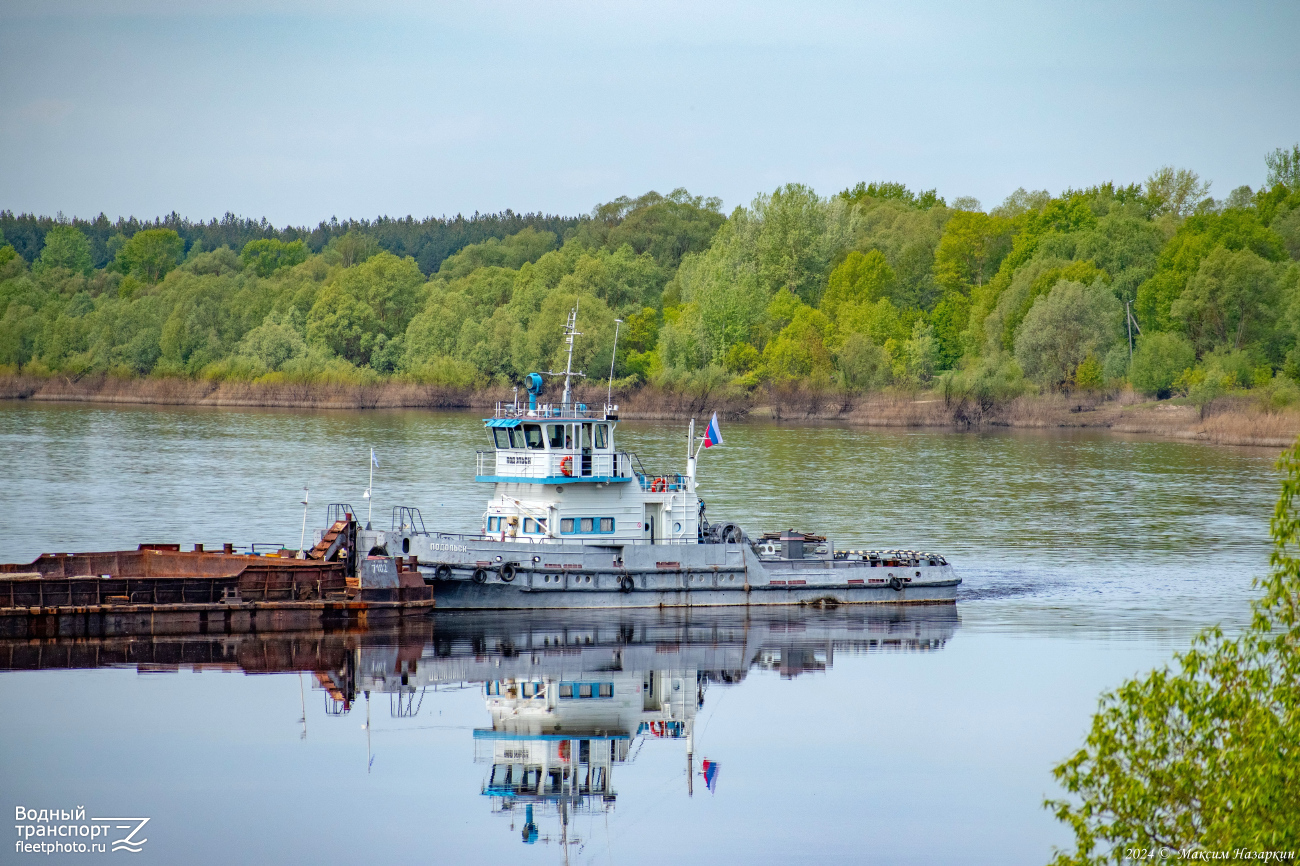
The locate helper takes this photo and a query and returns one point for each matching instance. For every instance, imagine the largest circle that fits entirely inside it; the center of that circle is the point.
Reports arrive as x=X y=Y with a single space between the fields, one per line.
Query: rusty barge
x=159 y=589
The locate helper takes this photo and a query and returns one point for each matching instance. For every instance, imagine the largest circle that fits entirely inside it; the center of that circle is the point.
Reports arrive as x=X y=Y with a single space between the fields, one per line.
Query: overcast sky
x=303 y=111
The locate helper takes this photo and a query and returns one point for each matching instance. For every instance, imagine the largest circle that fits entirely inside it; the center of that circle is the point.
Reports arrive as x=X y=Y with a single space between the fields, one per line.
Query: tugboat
x=575 y=523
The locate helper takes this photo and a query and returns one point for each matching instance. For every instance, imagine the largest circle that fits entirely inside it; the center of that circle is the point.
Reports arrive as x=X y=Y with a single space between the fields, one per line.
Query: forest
x=1155 y=286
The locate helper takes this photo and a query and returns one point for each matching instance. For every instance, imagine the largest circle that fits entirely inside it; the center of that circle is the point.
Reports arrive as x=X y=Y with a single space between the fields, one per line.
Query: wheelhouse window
x=516 y=437
x=602 y=435
x=570 y=525
x=501 y=437
x=555 y=436
x=533 y=435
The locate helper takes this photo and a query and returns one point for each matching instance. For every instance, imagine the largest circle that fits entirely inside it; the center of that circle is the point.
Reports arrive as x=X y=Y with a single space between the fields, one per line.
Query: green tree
x=351 y=248
x=1175 y=191
x=65 y=247
x=1182 y=256
x=268 y=255
x=343 y=324
x=1229 y=302
x=860 y=278
x=150 y=254
x=799 y=350
x=971 y=250
x=798 y=235
x=1205 y=752
x=1065 y=327
x=669 y=229
x=392 y=287
x=511 y=252
x=1160 y=358
x=862 y=365
x=1284 y=167
x=274 y=342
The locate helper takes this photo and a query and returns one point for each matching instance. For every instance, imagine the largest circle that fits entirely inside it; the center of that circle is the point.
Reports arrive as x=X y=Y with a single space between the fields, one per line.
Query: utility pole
x=1128 y=323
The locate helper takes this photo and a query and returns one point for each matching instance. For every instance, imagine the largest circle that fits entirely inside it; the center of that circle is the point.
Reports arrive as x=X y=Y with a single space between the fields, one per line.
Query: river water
x=868 y=735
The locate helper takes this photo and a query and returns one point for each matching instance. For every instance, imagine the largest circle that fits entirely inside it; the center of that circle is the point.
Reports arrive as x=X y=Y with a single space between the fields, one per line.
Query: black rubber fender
x=507 y=571
x=895 y=583
x=480 y=575
x=626 y=583
x=442 y=572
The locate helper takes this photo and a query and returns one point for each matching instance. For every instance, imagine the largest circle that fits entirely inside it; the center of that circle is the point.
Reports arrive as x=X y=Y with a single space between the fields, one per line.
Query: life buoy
x=895 y=583
x=566 y=465
x=660 y=485
x=507 y=571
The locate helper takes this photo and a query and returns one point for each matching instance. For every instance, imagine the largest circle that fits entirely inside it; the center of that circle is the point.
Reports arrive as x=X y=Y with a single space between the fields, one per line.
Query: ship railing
x=406 y=517
x=655 y=483
x=553 y=410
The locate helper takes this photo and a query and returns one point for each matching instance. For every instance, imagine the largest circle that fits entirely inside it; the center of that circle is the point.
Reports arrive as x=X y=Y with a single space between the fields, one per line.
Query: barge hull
x=186 y=619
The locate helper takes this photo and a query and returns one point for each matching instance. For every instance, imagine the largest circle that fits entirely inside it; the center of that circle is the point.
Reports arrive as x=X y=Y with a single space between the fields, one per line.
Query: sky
x=300 y=111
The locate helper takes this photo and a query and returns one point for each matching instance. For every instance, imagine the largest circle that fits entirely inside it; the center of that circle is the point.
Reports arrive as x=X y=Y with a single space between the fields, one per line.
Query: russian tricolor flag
x=712 y=435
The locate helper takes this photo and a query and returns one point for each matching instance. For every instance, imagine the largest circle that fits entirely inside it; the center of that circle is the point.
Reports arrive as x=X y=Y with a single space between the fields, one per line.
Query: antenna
x=612 y=355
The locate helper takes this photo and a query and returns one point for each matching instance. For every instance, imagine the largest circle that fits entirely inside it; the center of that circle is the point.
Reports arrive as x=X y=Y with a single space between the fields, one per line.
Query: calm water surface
x=912 y=736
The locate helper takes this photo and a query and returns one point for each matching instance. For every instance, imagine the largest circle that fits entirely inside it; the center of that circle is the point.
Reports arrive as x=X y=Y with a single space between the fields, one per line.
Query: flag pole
x=302 y=539
x=370 y=499
x=691 y=451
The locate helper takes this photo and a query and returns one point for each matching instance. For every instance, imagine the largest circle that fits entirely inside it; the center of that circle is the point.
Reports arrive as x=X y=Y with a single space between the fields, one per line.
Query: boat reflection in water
x=570 y=694
x=574 y=694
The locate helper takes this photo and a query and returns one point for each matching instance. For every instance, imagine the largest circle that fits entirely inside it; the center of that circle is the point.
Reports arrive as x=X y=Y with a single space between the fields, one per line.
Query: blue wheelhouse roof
x=503 y=422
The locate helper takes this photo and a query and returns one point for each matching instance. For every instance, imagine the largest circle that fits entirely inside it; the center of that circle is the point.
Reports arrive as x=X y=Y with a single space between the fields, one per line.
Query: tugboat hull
x=467 y=595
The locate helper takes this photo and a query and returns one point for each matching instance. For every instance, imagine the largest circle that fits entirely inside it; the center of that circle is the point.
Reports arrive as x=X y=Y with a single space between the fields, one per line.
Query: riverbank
x=1230 y=420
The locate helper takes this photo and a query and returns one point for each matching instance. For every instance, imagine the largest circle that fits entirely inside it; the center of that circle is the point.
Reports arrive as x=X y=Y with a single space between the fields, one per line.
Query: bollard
x=227 y=548
x=198 y=548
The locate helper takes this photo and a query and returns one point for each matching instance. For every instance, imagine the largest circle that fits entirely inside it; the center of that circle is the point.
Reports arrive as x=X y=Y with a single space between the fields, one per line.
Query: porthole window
x=677 y=527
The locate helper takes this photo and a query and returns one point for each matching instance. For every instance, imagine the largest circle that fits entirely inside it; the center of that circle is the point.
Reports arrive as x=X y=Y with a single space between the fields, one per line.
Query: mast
x=570 y=331
x=609 y=392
